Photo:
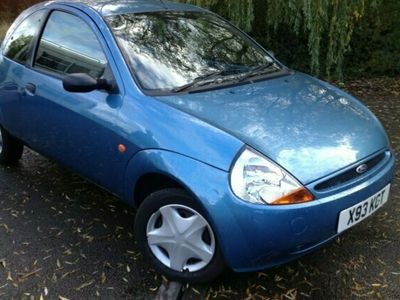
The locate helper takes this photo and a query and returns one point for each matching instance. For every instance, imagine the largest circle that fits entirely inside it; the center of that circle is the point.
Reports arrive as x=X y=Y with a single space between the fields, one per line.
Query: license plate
x=355 y=214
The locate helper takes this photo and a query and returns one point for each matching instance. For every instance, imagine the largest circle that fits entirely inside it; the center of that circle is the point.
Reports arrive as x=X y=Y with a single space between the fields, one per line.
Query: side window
x=68 y=45
x=19 y=44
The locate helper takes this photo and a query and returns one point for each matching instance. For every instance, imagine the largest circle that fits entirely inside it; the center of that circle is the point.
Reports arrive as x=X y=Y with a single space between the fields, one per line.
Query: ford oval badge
x=361 y=169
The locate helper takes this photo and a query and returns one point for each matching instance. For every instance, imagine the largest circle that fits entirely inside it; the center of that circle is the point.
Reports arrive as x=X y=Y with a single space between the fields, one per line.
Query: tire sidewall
x=3 y=149
x=12 y=149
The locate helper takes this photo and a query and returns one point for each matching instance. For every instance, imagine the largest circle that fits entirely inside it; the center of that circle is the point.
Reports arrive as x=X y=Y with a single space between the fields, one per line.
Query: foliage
x=3 y=29
x=9 y=10
x=241 y=12
x=328 y=25
x=375 y=47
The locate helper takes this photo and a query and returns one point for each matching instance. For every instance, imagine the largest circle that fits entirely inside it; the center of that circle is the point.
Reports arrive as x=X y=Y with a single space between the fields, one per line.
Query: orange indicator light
x=122 y=148
x=298 y=196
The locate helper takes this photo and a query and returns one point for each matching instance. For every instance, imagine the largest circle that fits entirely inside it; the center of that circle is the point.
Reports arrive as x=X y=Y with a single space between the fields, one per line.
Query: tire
x=10 y=149
x=197 y=258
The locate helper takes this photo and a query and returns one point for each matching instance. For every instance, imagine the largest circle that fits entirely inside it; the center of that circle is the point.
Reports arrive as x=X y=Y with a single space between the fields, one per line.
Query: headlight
x=258 y=180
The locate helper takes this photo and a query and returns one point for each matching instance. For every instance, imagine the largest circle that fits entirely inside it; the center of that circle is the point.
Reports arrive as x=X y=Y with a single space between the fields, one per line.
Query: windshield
x=177 y=50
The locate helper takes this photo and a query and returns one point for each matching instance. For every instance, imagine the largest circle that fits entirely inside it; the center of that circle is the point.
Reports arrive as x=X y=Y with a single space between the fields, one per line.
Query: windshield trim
x=168 y=92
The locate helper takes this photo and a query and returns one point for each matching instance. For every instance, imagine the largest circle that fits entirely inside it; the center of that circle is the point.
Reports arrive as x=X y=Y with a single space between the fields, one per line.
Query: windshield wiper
x=257 y=71
x=206 y=79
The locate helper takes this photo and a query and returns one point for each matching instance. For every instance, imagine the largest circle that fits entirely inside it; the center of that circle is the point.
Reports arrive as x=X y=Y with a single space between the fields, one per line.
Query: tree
x=327 y=24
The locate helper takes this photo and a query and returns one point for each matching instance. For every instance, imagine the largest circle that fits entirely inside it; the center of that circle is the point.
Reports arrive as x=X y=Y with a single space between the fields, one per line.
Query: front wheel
x=10 y=149
x=176 y=237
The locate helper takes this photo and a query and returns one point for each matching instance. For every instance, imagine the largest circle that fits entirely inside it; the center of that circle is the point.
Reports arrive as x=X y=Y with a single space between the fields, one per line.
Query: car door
x=76 y=129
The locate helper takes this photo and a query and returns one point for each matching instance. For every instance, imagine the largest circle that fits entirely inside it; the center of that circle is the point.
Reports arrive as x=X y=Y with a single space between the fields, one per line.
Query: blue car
x=230 y=158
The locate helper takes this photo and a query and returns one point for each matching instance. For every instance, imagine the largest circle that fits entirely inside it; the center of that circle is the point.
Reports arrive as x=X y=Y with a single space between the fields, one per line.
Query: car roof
x=116 y=7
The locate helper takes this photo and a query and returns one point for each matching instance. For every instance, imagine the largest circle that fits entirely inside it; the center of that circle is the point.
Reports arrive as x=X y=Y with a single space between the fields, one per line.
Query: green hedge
x=375 y=48
x=324 y=37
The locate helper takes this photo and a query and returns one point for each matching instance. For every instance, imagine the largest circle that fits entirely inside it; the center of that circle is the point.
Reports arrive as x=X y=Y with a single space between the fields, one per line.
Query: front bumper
x=255 y=237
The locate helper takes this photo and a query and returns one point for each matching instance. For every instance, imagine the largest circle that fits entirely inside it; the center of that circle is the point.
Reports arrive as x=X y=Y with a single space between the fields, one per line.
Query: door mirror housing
x=84 y=83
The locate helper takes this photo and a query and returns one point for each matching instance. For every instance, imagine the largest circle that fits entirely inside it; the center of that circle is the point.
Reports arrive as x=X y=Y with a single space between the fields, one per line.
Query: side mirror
x=84 y=83
x=271 y=53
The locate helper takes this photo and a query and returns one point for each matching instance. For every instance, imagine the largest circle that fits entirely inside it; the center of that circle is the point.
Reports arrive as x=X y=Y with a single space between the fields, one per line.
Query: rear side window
x=19 y=44
x=68 y=45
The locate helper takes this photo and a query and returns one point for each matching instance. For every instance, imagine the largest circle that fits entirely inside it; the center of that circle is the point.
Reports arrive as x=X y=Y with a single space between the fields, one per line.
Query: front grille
x=350 y=174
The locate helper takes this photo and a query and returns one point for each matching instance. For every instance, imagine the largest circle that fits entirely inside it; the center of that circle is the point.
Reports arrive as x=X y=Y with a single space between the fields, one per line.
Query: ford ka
x=230 y=157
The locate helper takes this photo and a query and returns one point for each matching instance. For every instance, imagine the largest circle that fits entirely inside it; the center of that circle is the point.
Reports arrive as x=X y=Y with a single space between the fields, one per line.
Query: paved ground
x=61 y=237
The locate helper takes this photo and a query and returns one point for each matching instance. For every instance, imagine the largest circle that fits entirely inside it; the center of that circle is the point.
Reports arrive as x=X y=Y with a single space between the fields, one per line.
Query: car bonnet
x=309 y=127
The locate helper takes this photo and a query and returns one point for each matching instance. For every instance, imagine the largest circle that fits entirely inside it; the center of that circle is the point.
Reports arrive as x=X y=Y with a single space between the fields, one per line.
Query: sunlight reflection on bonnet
x=338 y=156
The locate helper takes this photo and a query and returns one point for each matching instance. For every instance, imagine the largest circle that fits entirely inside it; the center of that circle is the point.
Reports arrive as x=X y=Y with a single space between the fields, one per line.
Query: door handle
x=30 y=89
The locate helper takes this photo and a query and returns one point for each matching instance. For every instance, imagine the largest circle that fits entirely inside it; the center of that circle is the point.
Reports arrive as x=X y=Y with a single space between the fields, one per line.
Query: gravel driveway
x=64 y=238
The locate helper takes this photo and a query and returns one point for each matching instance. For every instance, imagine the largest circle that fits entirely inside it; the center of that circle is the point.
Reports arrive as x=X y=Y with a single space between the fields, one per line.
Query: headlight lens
x=258 y=180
